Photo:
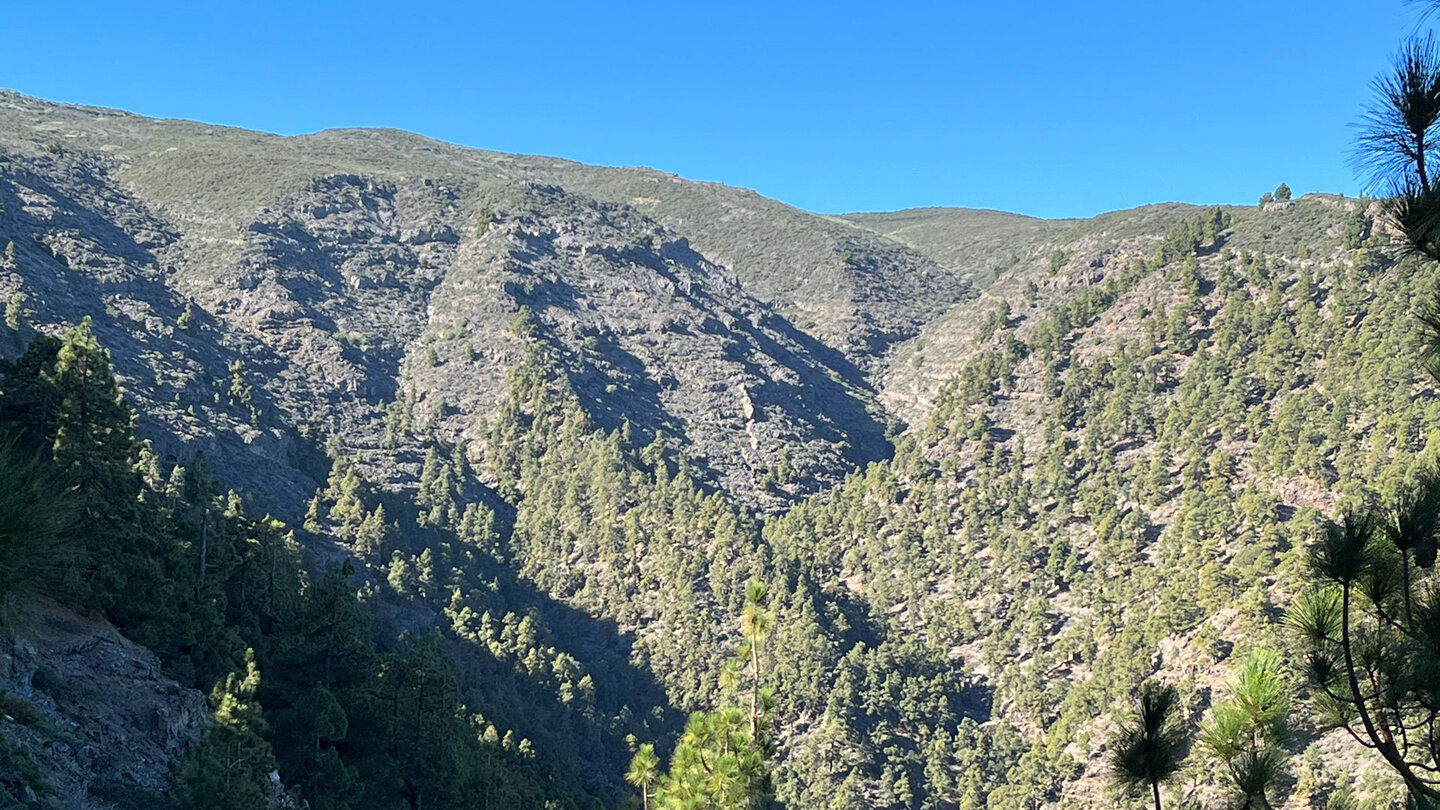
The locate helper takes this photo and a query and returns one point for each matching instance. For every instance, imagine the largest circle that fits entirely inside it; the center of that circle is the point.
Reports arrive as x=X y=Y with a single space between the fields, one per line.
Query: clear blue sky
x=1045 y=108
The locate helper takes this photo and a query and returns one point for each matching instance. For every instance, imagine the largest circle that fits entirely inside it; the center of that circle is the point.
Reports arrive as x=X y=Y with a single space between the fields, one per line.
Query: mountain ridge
x=996 y=469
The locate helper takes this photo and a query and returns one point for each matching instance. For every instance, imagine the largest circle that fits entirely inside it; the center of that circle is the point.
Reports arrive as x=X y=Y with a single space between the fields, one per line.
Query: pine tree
x=186 y=321
x=230 y=768
x=1148 y=750
x=370 y=535
x=401 y=576
x=240 y=391
x=722 y=758
x=92 y=424
x=419 y=689
x=15 y=310
x=756 y=624
x=1365 y=623
x=397 y=424
x=1399 y=138
x=29 y=399
x=75 y=403
x=1367 y=599
x=36 y=510
x=642 y=772
x=333 y=629
x=314 y=516
x=429 y=496
x=1246 y=732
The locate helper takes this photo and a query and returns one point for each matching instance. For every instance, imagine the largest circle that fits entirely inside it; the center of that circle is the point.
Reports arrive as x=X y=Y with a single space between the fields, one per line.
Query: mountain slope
x=334 y=267
x=975 y=245
x=1045 y=264
x=843 y=281
x=1122 y=481
x=89 y=711
x=557 y=417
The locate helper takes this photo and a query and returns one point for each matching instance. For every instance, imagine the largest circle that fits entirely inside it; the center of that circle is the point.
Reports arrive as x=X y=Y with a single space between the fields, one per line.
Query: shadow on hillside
x=1214 y=247
x=636 y=395
x=134 y=314
x=592 y=747
x=825 y=356
x=303 y=265
x=831 y=408
x=826 y=400
x=589 y=746
x=616 y=386
x=583 y=746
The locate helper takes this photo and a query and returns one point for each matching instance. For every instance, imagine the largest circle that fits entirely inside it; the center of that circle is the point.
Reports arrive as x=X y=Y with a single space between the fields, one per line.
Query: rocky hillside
x=1136 y=435
x=332 y=275
x=88 y=716
x=997 y=469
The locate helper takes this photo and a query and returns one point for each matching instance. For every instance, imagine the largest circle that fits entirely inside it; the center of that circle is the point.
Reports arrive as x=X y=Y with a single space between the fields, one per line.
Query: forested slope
x=1125 y=483
x=509 y=437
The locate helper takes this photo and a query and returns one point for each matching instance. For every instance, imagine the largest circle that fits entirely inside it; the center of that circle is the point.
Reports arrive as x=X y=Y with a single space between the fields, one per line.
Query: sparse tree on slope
x=15 y=310
x=643 y=769
x=756 y=624
x=1148 y=750
x=1246 y=732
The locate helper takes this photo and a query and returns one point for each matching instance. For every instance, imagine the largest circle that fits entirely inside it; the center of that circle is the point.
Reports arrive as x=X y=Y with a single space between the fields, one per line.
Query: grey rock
x=110 y=716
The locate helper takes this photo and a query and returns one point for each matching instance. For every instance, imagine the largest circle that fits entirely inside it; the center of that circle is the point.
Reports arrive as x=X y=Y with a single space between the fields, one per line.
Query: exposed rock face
x=92 y=712
x=334 y=275
x=654 y=334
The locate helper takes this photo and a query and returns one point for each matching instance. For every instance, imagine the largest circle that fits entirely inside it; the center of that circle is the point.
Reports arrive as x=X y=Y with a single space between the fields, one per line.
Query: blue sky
x=1045 y=108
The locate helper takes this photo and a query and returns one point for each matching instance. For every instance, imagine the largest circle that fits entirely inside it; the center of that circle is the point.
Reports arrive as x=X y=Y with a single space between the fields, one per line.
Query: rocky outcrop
x=89 y=718
x=261 y=304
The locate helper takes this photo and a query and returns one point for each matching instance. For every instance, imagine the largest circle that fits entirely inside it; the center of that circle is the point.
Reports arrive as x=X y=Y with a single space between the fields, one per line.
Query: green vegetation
x=717 y=763
x=230 y=766
x=519 y=591
x=872 y=587
x=15 y=310
x=186 y=321
x=1398 y=141
x=1368 y=622
x=1147 y=751
x=1370 y=640
x=220 y=595
x=1247 y=730
x=36 y=510
x=977 y=245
